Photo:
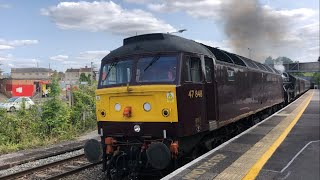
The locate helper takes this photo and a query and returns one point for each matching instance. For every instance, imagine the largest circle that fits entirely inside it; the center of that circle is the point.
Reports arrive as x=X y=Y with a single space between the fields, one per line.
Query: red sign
x=22 y=90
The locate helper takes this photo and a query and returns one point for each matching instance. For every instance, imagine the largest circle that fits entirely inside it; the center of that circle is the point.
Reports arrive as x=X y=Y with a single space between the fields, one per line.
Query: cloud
x=4 y=47
x=59 y=57
x=248 y=24
x=104 y=16
x=138 y=1
x=9 y=61
x=4 y=44
x=93 y=55
x=6 y=57
x=22 y=42
x=224 y=45
x=197 y=9
x=5 y=6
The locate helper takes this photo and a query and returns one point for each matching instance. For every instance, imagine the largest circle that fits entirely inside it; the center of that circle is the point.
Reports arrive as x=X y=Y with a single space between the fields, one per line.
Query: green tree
x=55 y=112
x=316 y=78
x=83 y=78
x=269 y=60
x=83 y=110
x=284 y=60
x=55 y=87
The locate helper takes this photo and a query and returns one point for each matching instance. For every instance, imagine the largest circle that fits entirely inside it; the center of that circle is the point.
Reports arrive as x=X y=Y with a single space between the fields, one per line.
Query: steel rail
x=68 y=173
x=38 y=168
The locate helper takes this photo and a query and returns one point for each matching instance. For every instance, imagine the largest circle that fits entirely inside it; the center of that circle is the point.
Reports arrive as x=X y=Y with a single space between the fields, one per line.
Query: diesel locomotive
x=161 y=96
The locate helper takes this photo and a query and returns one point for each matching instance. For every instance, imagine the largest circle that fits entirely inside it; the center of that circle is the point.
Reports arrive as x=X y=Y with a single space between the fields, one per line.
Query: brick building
x=72 y=75
x=26 y=81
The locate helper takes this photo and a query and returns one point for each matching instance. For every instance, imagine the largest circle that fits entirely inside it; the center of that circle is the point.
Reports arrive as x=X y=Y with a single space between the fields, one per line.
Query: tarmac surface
x=298 y=155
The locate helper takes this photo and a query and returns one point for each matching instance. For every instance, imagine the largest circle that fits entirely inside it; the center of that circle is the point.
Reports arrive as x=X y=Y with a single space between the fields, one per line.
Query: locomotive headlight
x=98 y=98
x=147 y=106
x=136 y=128
x=117 y=107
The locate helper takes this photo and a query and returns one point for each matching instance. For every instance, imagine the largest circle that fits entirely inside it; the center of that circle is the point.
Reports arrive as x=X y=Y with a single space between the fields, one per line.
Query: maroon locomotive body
x=211 y=89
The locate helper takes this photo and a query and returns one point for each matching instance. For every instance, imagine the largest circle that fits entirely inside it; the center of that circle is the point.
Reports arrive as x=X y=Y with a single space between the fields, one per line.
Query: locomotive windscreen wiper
x=112 y=65
x=156 y=58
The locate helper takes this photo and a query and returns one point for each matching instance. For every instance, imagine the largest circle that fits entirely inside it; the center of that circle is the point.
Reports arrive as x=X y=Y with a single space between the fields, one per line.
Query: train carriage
x=161 y=96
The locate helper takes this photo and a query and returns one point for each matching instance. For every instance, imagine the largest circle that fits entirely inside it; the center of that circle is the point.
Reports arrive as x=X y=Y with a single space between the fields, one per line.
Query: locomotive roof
x=159 y=42
x=153 y=43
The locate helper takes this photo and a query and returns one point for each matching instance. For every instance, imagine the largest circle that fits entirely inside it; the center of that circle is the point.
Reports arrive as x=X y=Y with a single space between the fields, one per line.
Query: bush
x=83 y=110
x=55 y=116
x=50 y=121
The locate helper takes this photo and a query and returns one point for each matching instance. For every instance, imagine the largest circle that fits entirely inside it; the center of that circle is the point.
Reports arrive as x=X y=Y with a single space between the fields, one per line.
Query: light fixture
x=165 y=112
x=147 y=106
x=117 y=107
x=136 y=128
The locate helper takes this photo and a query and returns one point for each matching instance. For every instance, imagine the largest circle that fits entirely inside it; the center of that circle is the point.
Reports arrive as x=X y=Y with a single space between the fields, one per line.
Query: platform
x=283 y=146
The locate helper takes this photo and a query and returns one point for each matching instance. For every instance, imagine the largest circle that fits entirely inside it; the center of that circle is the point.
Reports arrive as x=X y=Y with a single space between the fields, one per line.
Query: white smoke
x=279 y=66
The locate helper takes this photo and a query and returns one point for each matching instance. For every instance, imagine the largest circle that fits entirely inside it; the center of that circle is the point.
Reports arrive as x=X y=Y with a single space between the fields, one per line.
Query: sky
x=72 y=34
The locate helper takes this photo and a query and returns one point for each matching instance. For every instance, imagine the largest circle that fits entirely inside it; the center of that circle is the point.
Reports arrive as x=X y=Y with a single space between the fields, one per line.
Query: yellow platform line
x=255 y=169
x=250 y=163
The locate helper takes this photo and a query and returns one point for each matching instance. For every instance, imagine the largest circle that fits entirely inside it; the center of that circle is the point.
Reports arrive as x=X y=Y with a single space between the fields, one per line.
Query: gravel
x=39 y=162
x=94 y=173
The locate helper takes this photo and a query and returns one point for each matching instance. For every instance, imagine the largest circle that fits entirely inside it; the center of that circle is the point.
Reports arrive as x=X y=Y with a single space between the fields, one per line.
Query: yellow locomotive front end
x=136 y=107
x=140 y=103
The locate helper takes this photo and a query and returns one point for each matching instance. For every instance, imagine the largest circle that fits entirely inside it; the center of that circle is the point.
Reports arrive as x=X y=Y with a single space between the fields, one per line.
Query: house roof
x=30 y=70
x=86 y=69
x=72 y=70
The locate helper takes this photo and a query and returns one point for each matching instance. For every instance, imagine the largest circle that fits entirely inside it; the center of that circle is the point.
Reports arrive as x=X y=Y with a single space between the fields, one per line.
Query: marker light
x=165 y=112
x=117 y=107
x=147 y=106
x=136 y=128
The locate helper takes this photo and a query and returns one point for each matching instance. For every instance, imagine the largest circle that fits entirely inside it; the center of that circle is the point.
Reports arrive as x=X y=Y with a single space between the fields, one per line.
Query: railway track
x=53 y=170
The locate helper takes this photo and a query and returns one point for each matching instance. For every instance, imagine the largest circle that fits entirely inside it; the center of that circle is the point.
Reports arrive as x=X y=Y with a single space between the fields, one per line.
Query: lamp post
x=249 y=53
x=179 y=31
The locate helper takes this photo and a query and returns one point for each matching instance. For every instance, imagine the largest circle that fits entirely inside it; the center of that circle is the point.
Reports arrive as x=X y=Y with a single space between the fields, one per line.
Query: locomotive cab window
x=156 y=69
x=116 y=73
x=192 y=67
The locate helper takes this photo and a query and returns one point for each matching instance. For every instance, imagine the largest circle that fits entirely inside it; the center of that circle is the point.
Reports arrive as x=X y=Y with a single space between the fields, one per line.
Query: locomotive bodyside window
x=192 y=69
x=208 y=68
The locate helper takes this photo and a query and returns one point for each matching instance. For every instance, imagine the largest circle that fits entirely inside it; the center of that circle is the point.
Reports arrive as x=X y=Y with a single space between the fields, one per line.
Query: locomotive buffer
x=283 y=146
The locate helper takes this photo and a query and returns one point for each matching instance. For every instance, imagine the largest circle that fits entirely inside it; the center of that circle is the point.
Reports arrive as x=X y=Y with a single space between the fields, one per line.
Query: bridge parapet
x=302 y=67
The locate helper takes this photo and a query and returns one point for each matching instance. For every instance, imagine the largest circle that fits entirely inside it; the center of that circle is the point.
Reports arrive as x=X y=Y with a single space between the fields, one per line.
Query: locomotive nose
x=93 y=150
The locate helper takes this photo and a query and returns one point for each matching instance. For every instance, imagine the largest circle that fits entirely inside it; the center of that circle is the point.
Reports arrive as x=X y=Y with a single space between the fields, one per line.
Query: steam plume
x=249 y=25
